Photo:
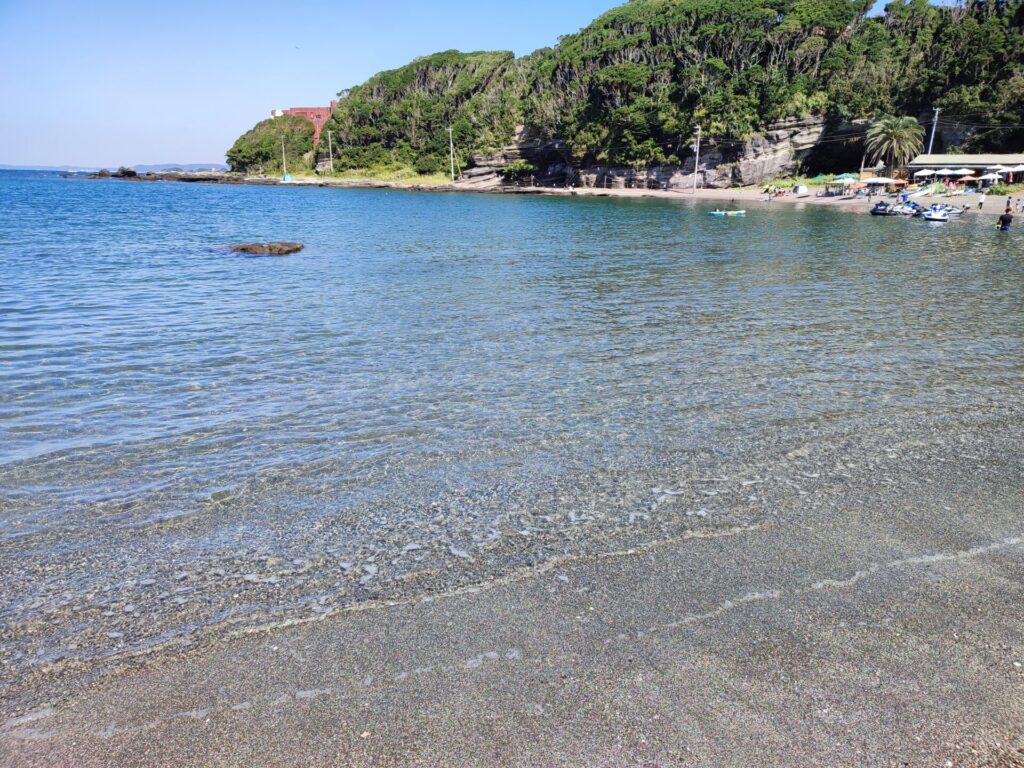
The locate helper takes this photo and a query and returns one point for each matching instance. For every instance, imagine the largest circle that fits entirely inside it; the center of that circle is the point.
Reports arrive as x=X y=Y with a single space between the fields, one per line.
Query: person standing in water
x=1005 y=221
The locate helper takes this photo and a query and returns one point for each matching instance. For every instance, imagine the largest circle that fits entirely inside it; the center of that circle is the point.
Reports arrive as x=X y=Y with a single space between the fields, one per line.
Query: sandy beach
x=752 y=196
x=873 y=620
x=994 y=204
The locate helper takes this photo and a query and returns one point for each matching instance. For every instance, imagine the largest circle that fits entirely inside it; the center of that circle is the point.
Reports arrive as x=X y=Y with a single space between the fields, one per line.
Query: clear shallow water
x=189 y=436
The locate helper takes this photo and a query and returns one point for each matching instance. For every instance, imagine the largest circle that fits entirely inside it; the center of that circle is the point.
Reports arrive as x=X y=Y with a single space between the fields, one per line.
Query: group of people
x=1006 y=219
x=1013 y=206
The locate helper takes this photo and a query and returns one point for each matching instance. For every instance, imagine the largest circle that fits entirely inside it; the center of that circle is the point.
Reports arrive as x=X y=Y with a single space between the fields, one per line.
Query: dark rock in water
x=271 y=249
x=103 y=174
x=125 y=173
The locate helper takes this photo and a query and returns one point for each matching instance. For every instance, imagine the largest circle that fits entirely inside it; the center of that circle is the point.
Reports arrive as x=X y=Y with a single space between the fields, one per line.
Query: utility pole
x=284 y=160
x=330 y=151
x=696 y=162
x=935 y=125
x=451 y=152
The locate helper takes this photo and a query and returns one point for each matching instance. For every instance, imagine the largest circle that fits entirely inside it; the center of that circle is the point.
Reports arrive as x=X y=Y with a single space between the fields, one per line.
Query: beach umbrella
x=970 y=178
x=989 y=177
x=963 y=172
x=879 y=180
x=925 y=172
x=1016 y=169
x=945 y=172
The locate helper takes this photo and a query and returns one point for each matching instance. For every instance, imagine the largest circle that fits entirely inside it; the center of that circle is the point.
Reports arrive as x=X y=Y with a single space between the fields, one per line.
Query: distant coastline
x=157 y=167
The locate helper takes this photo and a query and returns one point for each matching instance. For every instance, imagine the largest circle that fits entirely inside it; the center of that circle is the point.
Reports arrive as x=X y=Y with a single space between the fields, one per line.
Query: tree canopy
x=894 y=140
x=630 y=87
x=260 y=148
x=401 y=117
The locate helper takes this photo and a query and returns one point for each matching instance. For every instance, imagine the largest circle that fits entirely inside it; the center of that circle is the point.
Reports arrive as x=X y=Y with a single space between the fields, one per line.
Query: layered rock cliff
x=784 y=149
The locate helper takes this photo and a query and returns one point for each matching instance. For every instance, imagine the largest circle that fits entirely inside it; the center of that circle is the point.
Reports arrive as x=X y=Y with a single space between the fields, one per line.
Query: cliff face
x=784 y=149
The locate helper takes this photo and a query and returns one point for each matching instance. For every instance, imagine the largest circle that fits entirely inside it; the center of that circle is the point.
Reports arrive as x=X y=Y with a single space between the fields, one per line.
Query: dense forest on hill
x=630 y=88
x=402 y=116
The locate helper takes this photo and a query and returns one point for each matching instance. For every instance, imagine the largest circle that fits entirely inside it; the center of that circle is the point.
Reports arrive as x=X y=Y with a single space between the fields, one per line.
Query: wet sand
x=874 y=617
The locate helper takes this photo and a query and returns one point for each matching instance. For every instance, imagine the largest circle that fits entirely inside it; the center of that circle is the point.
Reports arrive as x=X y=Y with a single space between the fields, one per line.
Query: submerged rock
x=268 y=249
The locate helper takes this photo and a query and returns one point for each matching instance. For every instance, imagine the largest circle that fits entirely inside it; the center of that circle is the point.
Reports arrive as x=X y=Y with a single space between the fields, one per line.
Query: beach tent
x=820 y=179
x=847 y=177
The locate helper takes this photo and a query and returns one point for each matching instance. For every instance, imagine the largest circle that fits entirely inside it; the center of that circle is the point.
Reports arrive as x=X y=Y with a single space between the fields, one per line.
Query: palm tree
x=896 y=140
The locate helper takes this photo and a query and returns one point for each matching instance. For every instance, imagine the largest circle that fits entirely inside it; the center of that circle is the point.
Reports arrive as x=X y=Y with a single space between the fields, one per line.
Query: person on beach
x=1005 y=221
x=981 y=201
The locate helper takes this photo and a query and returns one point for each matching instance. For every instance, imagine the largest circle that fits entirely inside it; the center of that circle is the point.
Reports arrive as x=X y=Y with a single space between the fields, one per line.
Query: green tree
x=895 y=140
x=259 y=150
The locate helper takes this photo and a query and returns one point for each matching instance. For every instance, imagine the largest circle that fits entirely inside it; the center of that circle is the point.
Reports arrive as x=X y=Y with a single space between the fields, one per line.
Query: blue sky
x=114 y=82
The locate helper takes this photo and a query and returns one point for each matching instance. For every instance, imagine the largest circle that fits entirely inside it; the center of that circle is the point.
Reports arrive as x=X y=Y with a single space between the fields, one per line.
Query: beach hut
x=837 y=187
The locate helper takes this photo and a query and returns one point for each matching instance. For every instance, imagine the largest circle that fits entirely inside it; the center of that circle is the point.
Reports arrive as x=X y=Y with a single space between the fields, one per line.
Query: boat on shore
x=727 y=213
x=883 y=208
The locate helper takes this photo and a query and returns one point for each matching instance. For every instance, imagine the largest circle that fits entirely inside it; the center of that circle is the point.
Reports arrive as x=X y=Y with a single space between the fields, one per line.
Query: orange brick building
x=316 y=115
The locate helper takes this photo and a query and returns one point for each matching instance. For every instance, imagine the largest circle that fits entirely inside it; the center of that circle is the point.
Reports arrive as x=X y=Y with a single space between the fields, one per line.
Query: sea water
x=439 y=390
